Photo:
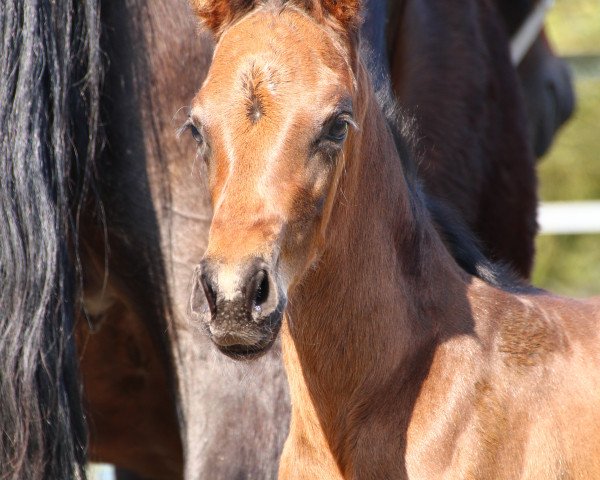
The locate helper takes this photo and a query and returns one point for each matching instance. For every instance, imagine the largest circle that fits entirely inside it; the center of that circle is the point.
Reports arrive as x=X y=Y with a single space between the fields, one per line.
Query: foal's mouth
x=247 y=352
x=235 y=342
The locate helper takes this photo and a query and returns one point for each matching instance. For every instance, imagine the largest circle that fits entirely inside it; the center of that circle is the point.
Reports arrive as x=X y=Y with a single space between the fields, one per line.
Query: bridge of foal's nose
x=239 y=298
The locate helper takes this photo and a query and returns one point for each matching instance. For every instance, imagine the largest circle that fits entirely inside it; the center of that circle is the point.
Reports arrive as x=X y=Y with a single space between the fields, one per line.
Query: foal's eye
x=338 y=130
x=196 y=134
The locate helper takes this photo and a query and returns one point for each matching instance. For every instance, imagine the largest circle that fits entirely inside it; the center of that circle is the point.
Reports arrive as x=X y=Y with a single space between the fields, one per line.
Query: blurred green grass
x=575 y=26
x=570 y=264
x=572 y=169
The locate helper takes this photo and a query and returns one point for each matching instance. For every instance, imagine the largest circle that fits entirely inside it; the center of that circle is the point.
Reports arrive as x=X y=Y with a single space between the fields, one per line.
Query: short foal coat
x=400 y=365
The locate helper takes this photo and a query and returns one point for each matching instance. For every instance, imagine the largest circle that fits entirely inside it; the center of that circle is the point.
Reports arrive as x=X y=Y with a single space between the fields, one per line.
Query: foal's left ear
x=217 y=14
x=346 y=12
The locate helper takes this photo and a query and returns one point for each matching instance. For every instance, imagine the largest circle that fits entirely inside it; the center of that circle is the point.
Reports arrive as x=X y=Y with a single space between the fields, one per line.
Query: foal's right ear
x=217 y=14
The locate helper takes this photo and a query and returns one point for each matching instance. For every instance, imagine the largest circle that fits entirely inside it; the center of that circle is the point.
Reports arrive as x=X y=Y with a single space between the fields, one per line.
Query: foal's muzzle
x=245 y=306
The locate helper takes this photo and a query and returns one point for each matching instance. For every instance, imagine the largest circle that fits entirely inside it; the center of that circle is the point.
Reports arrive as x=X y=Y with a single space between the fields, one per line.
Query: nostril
x=259 y=290
x=209 y=291
x=262 y=293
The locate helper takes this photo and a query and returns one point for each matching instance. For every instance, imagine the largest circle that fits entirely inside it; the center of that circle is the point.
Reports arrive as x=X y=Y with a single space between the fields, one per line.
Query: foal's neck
x=371 y=313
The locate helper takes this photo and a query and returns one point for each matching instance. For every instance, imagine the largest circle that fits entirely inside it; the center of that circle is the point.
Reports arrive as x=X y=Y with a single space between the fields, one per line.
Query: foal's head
x=272 y=122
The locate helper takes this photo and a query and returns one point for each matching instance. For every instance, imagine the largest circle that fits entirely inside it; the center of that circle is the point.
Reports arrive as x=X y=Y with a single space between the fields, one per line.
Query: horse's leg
x=131 y=417
x=131 y=412
x=236 y=416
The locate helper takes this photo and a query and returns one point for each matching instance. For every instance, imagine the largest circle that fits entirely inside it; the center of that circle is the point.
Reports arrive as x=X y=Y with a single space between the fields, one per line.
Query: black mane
x=459 y=239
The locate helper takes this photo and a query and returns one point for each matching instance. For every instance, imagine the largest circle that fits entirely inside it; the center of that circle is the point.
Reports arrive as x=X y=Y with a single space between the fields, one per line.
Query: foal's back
x=534 y=408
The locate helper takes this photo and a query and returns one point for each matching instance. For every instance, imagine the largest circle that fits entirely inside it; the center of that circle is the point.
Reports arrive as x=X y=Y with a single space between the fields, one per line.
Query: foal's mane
x=457 y=236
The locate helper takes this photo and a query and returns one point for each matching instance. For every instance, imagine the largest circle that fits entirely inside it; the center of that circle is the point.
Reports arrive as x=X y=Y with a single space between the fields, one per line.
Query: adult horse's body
x=400 y=364
x=148 y=187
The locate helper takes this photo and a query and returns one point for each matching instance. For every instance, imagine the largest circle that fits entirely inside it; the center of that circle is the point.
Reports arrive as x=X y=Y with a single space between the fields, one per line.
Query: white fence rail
x=101 y=471
x=568 y=218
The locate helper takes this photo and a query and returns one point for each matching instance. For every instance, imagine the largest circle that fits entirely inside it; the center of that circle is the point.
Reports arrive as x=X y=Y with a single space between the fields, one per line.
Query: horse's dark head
x=545 y=78
x=271 y=121
x=548 y=91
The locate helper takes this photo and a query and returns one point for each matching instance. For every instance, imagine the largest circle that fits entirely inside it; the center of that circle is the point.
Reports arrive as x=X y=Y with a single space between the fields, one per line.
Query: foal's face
x=271 y=121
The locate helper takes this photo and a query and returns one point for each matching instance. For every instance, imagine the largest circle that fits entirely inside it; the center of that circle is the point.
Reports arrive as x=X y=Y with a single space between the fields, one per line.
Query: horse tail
x=50 y=73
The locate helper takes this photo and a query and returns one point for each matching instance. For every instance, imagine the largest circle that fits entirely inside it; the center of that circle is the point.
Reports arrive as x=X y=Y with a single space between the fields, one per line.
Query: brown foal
x=400 y=364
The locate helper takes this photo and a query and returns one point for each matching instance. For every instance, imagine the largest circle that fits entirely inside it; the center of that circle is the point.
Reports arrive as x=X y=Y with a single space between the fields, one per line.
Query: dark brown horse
x=460 y=113
x=155 y=392
x=400 y=364
x=545 y=79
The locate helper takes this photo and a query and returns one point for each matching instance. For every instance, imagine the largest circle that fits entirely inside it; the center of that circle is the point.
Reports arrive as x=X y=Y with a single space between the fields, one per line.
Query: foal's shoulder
x=575 y=321
x=530 y=328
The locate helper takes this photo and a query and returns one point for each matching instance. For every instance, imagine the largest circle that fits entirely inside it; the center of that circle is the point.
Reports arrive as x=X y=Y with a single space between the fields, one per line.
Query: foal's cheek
x=300 y=248
x=216 y=175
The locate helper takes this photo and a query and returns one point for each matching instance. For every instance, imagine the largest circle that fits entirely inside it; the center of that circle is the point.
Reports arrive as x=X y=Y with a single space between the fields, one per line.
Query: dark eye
x=338 y=130
x=196 y=133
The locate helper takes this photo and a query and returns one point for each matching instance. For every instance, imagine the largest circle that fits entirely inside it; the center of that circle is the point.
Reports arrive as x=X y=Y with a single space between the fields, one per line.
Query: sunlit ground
x=571 y=171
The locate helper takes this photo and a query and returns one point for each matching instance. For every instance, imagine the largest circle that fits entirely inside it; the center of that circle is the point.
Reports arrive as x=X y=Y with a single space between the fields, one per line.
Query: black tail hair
x=49 y=92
